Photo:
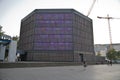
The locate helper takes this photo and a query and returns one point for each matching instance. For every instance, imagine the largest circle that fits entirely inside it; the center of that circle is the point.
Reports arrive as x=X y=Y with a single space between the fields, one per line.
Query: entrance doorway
x=81 y=57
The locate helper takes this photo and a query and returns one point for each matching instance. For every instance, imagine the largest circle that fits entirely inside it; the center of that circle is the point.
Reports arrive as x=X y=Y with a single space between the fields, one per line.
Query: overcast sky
x=12 y=11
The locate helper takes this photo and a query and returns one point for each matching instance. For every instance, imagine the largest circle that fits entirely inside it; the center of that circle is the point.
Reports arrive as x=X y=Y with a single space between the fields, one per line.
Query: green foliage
x=112 y=54
x=1 y=32
x=118 y=55
x=16 y=38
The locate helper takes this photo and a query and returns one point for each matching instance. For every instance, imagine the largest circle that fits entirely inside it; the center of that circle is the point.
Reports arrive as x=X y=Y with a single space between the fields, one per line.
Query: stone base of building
x=58 y=56
x=50 y=56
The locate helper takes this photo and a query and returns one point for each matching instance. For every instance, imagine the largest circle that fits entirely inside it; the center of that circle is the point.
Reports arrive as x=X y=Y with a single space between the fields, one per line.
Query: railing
x=5 y=37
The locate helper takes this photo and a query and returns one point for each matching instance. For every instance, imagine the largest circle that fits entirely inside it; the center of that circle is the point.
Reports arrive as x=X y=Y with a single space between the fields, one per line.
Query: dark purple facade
x=53 y=31
x=56 y=35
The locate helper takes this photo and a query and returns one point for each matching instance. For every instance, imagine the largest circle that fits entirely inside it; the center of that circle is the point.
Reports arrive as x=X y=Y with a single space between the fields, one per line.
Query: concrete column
x=2 y=52
x=12 y=51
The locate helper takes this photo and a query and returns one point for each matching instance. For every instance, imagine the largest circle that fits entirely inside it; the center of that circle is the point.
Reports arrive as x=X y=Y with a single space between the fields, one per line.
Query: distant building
x=103 y=48
x=57 y=35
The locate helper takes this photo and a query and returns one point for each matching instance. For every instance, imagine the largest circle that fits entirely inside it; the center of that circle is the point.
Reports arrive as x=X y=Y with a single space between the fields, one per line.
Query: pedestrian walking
x=108 y=62
x=84 y=65
x=111 y=62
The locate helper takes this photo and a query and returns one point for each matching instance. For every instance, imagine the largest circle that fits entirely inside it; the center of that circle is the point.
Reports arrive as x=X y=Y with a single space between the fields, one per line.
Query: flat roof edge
x=57 y=10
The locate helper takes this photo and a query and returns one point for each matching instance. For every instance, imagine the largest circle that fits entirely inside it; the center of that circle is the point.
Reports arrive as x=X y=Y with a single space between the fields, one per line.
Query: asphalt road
x=92 y=72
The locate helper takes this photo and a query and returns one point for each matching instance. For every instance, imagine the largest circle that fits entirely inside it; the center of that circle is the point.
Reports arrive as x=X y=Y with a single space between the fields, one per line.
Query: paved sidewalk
x=92 y=72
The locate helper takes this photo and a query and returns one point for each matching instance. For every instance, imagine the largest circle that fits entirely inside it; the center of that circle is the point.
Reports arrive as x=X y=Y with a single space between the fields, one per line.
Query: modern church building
x=58 y=35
